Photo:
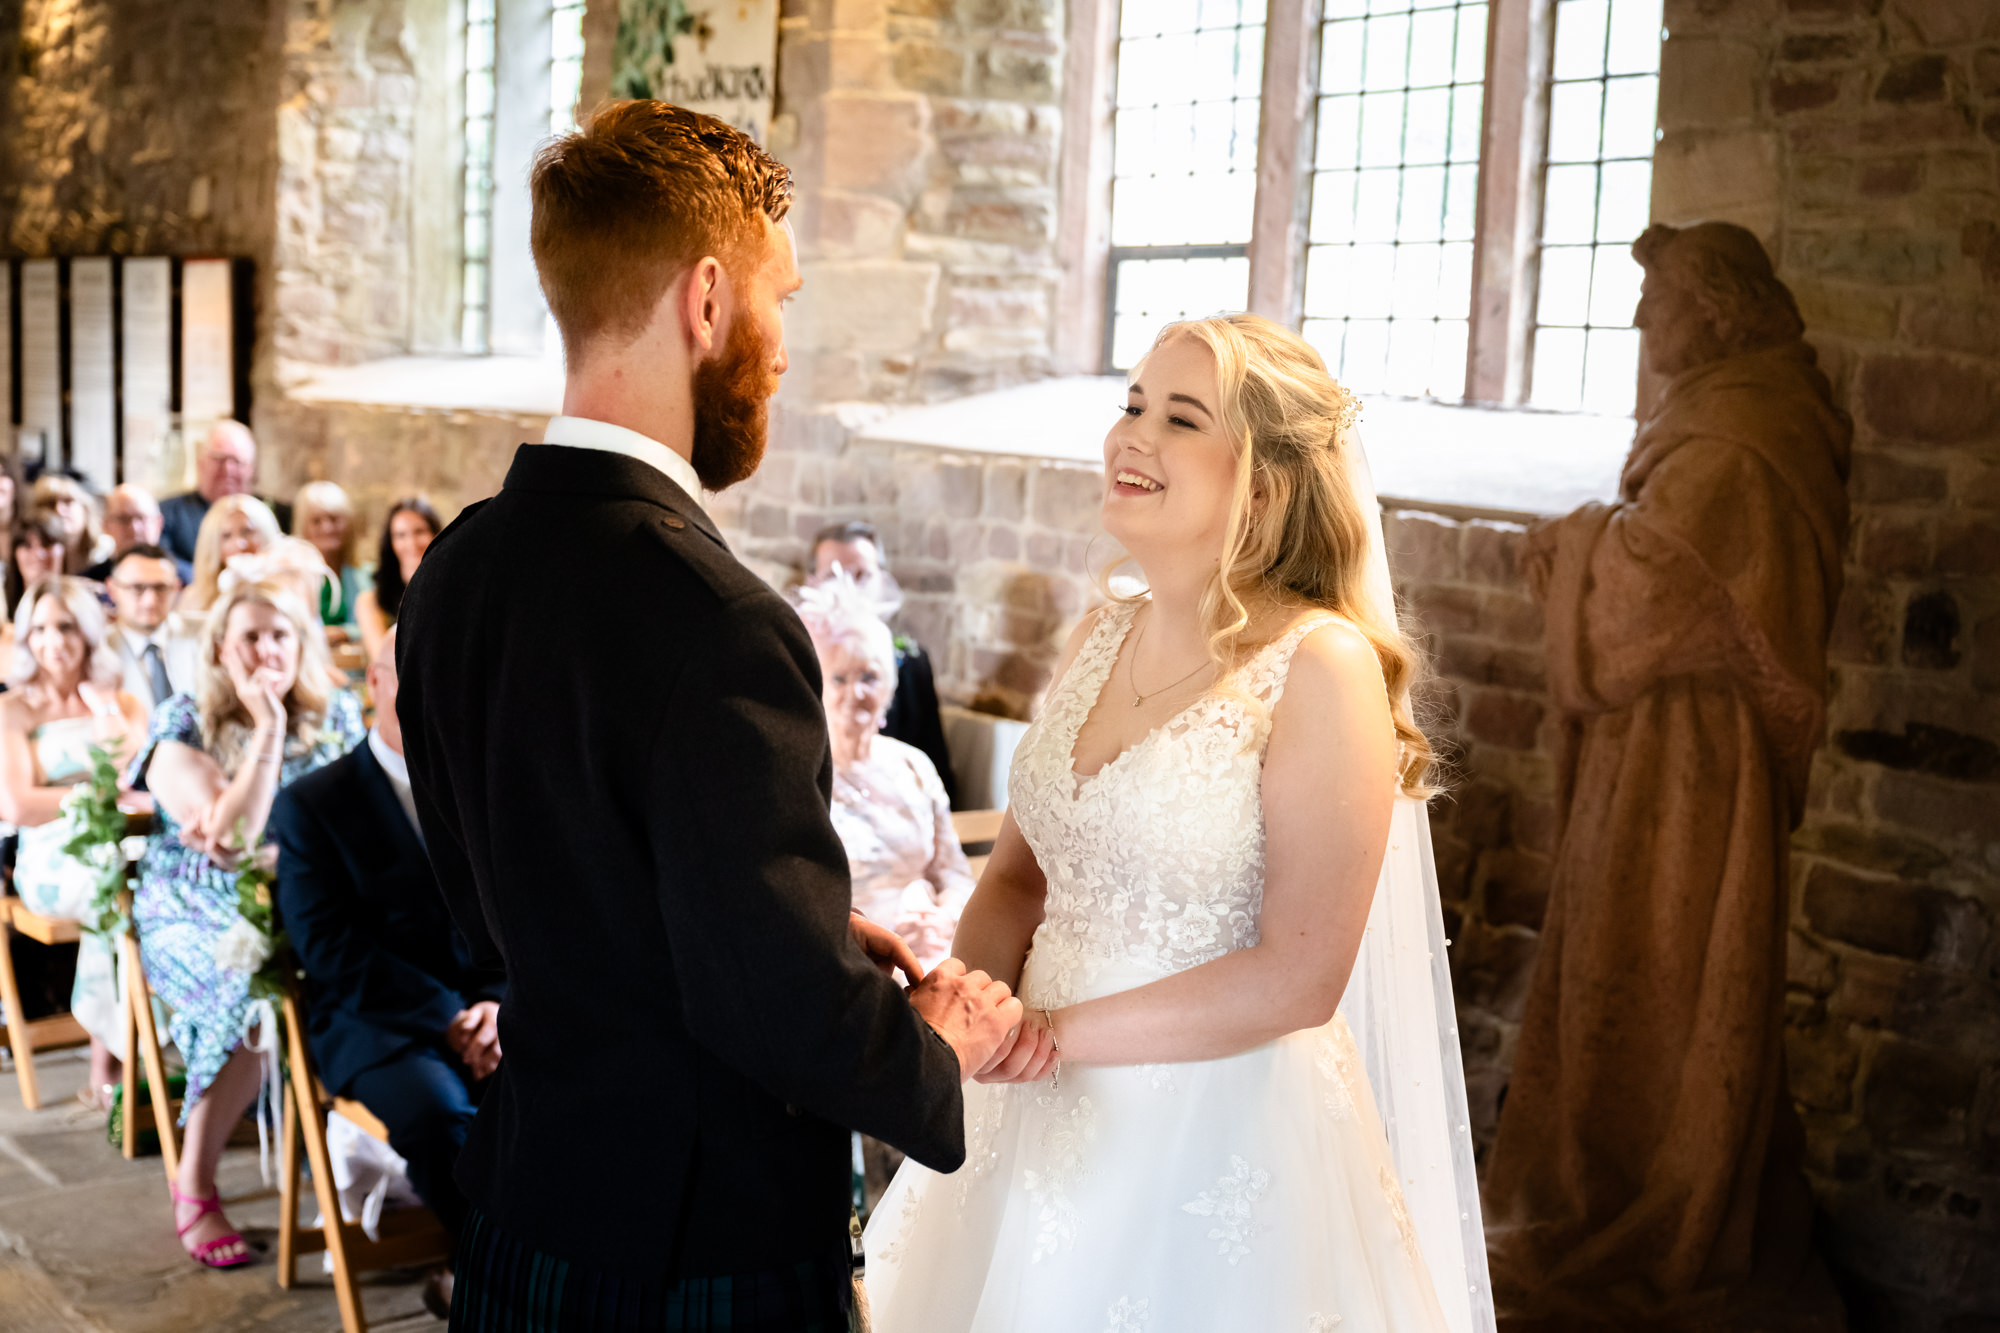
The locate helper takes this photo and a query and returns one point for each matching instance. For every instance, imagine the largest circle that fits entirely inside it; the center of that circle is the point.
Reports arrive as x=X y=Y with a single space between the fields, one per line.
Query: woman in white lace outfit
x=1182 y=1136
x=889 y=806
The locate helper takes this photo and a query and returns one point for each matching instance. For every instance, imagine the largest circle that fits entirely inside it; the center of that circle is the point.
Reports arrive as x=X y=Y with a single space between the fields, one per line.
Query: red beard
x=732 y=407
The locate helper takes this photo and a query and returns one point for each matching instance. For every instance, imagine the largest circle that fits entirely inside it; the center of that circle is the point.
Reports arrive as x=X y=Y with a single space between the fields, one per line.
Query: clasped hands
x=996 y=1038
x=474 y=1037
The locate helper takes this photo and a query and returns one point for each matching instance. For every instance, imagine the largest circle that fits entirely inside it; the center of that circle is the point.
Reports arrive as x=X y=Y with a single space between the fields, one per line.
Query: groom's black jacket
x=622 y=769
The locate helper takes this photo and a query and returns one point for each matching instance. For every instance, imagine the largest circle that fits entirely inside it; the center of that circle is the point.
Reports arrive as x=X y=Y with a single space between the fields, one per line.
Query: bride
x=1215 y=839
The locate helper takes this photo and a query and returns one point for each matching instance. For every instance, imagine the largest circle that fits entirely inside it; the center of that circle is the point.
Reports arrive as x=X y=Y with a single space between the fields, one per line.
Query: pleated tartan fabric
x=503 y=1286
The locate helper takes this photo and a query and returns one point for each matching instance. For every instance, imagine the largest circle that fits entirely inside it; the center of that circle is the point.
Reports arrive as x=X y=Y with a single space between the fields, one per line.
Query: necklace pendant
x=1136 y=700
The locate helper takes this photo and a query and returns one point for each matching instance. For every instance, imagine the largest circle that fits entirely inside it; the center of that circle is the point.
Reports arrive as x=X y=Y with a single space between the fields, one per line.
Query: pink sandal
x=201 y=1252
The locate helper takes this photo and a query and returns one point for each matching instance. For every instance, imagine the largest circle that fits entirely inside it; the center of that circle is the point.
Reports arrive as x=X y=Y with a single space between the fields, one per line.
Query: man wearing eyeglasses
x=158 y=654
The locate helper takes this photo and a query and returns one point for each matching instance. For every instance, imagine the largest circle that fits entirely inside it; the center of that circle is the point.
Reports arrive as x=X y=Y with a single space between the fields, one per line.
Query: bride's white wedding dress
x=1255 y=1193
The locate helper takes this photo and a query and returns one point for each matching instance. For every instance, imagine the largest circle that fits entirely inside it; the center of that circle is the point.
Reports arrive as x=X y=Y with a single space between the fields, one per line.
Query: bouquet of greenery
x=253 y=944
x=97 y=835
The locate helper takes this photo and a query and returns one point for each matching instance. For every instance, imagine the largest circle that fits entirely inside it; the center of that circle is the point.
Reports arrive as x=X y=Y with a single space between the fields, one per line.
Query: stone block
x=857 y=226
x=1422 y=548
x=1864 y=624
x=1443 y=609
x=1986 y=72
x=1890 y=178
x=1065 y=499
x=1791 y=92
x=877 y=305
x=1018 y=216
x=938 y=68
x=1884 y=916
x=878 y=144
x=1003 y=542
x=1917 y=1095
x=1006 y=491
x=1881 y=478
x=1820 y=1065
x=1986 y=654
x=1510 y=720
x=971 y=117
x=958 y=487
x=1719 y=175
x=1949 y=22
x=1944 y=811
x=1914 y=79
x=1809 y=47
x=1491 y=554
x=1021 y=67
x=1932 y=399
x=1898 y=257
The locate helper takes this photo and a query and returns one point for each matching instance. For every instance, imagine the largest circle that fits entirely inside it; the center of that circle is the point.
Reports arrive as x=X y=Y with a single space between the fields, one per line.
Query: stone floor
x=87 y=1242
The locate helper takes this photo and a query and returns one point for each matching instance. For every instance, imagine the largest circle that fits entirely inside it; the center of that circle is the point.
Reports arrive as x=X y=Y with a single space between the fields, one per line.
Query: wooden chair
x=25 y=1036
x=142 y=1042
x=409 y=1236
x=977 y=829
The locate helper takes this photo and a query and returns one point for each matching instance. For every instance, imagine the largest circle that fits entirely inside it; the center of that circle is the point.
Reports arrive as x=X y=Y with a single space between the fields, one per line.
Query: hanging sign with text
x=718 y=57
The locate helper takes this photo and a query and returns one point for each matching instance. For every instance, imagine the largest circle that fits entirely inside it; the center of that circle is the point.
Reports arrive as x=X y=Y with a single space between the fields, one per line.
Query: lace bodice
x=1158 y=858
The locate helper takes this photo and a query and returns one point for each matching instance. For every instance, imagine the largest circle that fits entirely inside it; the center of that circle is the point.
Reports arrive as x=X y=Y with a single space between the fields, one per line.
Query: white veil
x=1399 y=1007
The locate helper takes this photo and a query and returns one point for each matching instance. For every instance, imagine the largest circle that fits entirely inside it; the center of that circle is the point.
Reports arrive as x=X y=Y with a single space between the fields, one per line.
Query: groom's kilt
x=502 y=1286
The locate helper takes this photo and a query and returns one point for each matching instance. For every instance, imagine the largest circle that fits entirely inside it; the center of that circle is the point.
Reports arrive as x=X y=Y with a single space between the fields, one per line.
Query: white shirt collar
x=393 y=764
x=583 y=433
x=397 y=770
x=137 y=641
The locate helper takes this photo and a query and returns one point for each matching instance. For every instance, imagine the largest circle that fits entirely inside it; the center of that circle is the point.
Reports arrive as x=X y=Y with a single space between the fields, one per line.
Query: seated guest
x=264 y=713
x=323 y=515
x=76 y=512
x=226 y=466
x=13 y=491
x=406 y=534
x=293 y=562
x=132 y=518
x=398 y=1020
x=889 y=807
x=236 y=525
x=156 y=647
x=62 y=698
x=913 y=713
x=38 y=552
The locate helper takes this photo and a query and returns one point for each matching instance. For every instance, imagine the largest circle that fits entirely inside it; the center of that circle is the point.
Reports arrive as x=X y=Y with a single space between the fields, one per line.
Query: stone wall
x=925 y=136
x=346 y=130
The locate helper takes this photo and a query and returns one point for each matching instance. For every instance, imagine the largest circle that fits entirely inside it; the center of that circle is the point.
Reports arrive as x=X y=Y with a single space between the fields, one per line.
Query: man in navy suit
x=398 y=1018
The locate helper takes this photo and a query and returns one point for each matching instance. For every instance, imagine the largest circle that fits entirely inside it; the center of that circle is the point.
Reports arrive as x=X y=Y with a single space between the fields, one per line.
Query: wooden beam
x=1083 y=201
x=1285 y=145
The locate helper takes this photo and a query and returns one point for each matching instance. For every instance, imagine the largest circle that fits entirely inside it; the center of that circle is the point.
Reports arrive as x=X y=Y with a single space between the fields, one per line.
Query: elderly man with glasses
x=132 y=518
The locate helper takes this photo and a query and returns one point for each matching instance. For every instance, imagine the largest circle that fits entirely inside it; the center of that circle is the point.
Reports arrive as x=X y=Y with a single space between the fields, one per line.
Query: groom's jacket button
x=676 y=522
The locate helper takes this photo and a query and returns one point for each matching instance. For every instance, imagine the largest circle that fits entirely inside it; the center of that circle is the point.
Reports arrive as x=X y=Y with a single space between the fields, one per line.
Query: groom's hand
x=884 y=947
x=972 y=1012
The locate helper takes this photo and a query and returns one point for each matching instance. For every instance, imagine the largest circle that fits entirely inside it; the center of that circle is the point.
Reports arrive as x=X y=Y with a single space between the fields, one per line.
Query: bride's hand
x=1029 y=1055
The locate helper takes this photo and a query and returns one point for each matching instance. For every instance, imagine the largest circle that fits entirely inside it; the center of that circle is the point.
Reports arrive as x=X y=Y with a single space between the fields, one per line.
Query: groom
x=618 y=755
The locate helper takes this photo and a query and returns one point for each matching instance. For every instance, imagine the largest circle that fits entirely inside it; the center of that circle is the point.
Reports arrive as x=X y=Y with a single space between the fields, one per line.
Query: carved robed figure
x=1647 y=1168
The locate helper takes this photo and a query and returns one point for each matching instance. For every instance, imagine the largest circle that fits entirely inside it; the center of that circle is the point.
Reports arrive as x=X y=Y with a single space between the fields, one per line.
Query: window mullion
x=1508 y=158
x=1285 y=146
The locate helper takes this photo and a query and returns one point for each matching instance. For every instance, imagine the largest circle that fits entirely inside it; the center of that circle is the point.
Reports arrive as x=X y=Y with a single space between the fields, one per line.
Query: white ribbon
x=260 y=1037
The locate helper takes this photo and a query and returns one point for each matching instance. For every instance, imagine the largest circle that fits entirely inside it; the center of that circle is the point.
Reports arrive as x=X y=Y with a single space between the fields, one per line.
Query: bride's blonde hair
x=1296 y=535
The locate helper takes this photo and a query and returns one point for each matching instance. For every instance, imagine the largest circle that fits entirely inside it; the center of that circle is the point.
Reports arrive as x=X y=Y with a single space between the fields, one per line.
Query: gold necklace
x=1132 y=674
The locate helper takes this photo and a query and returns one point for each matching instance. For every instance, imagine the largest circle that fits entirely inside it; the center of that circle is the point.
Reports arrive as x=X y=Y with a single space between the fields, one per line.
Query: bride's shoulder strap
x=1274 y=661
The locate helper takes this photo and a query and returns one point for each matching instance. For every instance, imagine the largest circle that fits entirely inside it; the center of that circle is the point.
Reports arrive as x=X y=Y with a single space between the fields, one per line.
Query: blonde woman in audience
x=408 y=531
x=889 y=805
x=323 y=515
x=75 y=509
x=62 y=698
x=235 y=525
x=265 y=712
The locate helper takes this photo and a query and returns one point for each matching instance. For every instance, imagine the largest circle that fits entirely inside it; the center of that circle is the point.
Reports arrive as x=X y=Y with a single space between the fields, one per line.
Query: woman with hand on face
x=264 y=712
x=76 y=510
x=1184 y=1136
x=408 y=531
x=62 y=699
x=889 y=805
x=235 y=525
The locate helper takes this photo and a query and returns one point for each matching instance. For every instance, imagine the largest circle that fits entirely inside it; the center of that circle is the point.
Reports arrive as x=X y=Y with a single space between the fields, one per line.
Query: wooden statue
x=1647 y=1169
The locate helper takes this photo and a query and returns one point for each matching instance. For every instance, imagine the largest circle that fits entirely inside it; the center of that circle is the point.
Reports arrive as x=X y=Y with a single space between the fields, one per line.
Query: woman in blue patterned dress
x=265 y=711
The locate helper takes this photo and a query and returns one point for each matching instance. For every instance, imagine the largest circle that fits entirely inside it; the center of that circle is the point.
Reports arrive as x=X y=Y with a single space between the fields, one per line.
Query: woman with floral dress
x=265 y=712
